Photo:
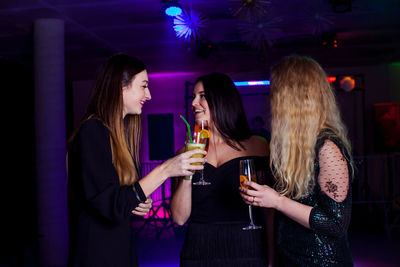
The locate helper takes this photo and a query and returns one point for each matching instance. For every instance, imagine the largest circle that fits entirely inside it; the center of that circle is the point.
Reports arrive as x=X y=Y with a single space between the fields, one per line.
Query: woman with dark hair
x=103 y=174
x=312 y=165
x=216 y=213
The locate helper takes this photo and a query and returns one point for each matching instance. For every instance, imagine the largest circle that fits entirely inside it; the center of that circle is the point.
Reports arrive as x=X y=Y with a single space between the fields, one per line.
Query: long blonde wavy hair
x=302 y=104
x=106 y=104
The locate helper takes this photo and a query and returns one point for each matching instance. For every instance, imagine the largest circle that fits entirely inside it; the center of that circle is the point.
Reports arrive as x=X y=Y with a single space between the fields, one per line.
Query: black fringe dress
x=214 y=236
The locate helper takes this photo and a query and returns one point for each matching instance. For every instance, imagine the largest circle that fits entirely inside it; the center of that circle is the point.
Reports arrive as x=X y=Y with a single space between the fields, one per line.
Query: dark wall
x=17 y=192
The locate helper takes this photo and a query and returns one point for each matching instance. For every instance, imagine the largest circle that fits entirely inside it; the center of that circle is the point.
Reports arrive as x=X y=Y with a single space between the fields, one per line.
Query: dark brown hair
x=226 y=107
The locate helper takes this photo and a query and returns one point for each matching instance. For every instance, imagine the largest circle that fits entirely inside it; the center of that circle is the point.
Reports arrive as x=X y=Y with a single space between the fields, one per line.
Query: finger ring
x=253 y=199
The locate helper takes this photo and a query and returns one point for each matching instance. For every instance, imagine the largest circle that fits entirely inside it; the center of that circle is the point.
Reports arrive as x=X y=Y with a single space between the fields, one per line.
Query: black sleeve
x=328 y=216
x=100 y=180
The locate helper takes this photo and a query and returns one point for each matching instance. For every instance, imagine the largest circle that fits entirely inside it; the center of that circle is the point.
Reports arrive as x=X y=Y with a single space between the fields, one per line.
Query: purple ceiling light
x=187 y=25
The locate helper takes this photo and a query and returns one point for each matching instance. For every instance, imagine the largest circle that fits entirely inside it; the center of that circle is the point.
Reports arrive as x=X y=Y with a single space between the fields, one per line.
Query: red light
x=332 y=79
x=335 y=45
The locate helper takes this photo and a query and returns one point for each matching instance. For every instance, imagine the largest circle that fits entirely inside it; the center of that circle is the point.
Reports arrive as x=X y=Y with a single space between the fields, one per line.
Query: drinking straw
x=188 y=128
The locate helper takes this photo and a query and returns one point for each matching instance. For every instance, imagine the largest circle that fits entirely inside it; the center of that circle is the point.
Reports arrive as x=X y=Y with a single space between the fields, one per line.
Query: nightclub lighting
x=188 y=24
x=347 y=83
x=170 y=74
x=332 y=79
x=173 y=11
x=171 y=8
x=329 y=39
x=252 y=83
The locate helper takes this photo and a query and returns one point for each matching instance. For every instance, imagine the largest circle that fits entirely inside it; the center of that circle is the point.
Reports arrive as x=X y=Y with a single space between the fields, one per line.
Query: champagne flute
x=201 y=135
x=247 y=173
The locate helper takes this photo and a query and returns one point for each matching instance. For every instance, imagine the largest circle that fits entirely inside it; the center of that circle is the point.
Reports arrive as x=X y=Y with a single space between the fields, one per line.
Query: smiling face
x=136 y=94
x=200 y=107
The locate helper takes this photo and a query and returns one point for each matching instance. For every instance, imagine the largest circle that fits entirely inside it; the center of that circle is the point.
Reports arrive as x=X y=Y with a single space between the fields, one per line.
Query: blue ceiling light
x=173 y=11
x=188 y=24
x=252 y=83
x=171 y=8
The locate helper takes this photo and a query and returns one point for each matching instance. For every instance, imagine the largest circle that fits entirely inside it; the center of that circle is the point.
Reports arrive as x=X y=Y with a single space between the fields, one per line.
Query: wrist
x=279 y=202
x=187 y=178
x=163 y=172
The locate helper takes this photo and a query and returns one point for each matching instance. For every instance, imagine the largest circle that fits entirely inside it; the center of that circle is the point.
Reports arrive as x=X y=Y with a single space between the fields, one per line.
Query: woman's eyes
x=194 y=96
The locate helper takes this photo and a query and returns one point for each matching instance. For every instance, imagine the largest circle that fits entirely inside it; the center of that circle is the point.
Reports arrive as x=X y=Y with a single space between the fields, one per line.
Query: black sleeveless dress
x=214 y=236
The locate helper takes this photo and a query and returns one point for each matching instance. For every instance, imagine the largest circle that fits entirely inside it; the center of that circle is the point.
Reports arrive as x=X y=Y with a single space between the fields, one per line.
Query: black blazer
x=99 y=208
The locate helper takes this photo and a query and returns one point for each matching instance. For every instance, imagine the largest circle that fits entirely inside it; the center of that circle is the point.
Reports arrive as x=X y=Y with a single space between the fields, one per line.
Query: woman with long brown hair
x=103 y=173
x=312 y=165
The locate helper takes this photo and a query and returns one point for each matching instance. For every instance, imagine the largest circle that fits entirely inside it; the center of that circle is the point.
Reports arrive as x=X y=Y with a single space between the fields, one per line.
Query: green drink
x=191 y=146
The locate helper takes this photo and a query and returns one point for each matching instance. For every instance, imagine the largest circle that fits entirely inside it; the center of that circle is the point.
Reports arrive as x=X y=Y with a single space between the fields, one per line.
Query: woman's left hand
x=143 y=208
x=262 y=195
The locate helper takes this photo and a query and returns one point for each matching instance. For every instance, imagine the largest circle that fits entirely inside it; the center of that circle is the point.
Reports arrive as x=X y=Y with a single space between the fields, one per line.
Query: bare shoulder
x=257 y=146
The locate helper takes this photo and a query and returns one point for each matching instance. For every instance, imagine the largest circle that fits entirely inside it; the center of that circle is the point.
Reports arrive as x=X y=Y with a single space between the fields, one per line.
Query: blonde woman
x=103 y=174
x=312 y=165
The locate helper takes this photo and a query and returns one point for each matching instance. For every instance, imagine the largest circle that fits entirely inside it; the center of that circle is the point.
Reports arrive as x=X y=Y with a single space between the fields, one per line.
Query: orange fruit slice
x=205 y=134
x=242 y=179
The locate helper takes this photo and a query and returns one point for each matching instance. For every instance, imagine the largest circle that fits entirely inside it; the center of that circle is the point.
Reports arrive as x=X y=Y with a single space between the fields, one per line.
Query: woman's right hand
x=181 y=165
x=259 y=195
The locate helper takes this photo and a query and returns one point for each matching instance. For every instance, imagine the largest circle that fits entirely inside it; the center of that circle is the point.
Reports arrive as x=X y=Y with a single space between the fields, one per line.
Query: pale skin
x=135 y=96
x=265 y=196
x=219 y=152
x=333 y=181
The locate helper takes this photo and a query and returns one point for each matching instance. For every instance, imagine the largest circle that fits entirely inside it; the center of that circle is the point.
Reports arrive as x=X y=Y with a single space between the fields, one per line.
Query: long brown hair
x=106 y=104
x=302 y=105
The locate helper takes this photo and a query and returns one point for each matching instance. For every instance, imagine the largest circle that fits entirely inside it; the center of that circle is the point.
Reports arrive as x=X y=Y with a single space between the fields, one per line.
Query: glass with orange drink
x=247 y=173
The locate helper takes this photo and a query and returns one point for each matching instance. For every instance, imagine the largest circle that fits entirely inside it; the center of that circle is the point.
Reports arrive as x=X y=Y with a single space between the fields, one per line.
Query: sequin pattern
x=326 y=243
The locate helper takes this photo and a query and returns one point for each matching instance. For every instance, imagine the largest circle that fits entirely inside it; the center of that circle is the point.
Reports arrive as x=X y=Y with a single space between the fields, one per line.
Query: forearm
x=294 y=210
x=180 y=165
x=181 y=202
x=153 y=180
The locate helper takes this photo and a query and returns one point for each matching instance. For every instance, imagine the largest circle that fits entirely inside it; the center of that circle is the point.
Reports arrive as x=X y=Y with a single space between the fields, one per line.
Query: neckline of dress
x=226 y=162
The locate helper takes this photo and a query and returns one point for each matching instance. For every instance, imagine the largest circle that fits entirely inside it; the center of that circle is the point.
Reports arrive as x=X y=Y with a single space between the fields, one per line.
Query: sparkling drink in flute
x=247 y=173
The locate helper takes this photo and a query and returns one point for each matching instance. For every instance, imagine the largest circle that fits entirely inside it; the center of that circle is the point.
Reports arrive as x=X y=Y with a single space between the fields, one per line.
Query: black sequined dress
x=214 y=236
x=326 y=243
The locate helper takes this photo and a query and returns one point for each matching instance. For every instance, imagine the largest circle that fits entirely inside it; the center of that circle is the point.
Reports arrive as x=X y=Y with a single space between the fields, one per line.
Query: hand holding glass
x=247 y=173
x=201 y=136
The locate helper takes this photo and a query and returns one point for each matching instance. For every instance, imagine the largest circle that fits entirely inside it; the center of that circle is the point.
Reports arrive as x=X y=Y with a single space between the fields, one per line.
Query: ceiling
x=95 y=29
